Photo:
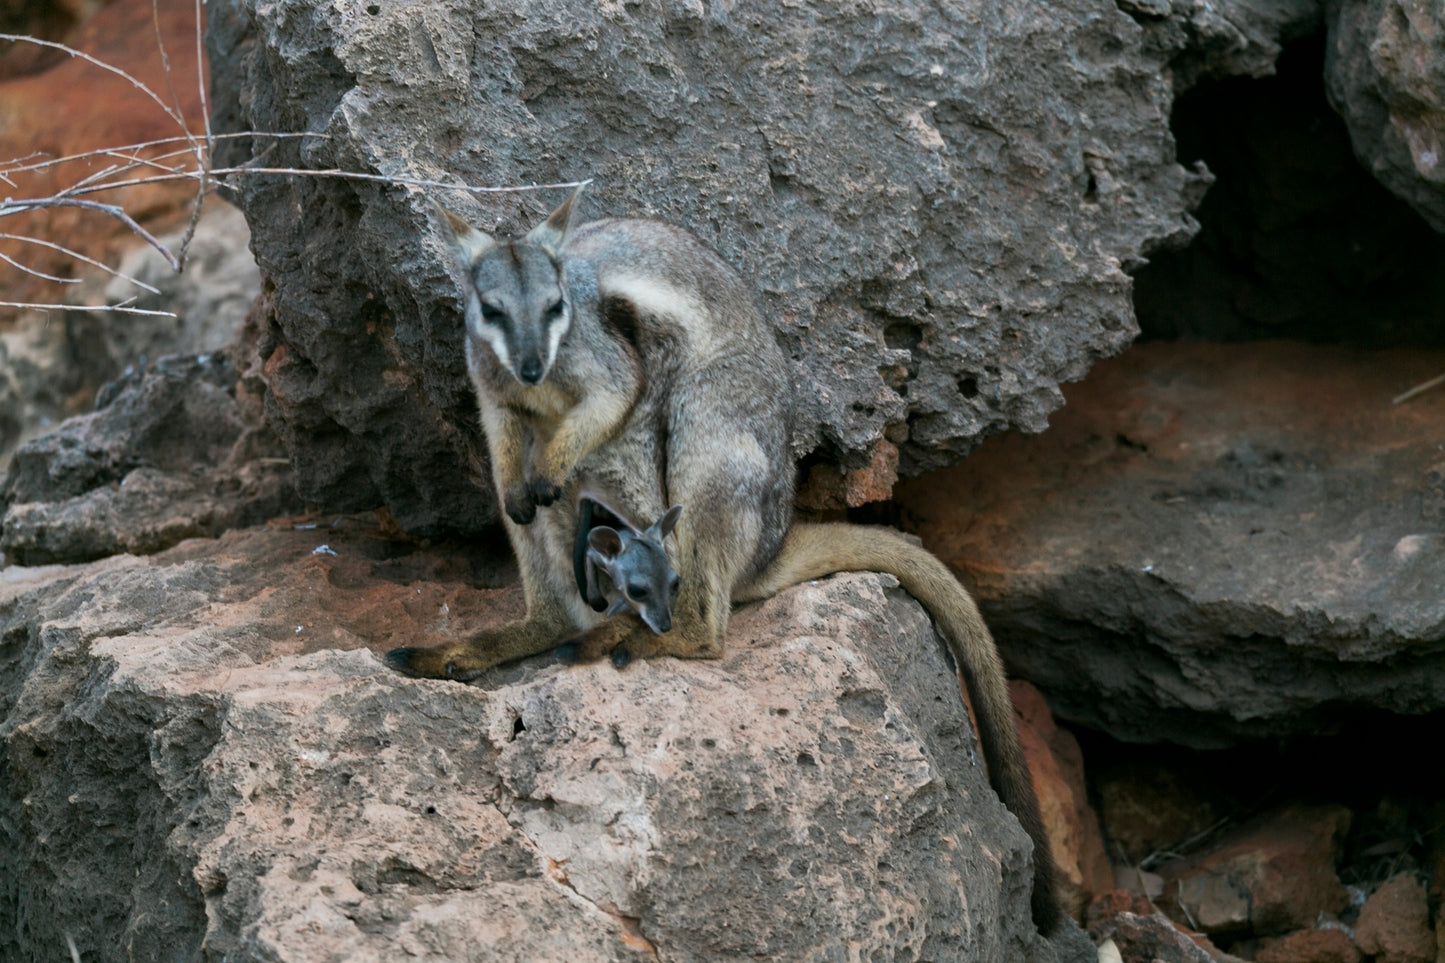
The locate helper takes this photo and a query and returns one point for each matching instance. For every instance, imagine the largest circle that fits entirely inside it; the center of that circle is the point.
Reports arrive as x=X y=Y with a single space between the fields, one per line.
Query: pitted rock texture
x=937 y=203
x=1385 y=73
x=200 y=756
x=1214 y=543
x=174 y=450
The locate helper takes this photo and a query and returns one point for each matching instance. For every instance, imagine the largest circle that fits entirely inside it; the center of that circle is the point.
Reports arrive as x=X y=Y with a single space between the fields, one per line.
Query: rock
x=1272 y=875
x=1385 y=73
x=1057 y=766
x=1394 y=923
x=1221 y=39
x=67 y=106
x=1310 y=946
x=932 y=288
x=202 y=758
x=1208 y=545
x=1150 y=809
x=1152 y=938
x=52 y=368
x=173 y=451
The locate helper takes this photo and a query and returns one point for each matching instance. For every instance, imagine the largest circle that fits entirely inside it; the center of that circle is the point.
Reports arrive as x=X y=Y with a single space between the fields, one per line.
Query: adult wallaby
x=629 y=350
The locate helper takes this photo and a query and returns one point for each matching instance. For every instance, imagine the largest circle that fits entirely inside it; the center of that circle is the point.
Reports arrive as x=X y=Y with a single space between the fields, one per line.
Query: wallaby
x=666 y=382
x=627 y=567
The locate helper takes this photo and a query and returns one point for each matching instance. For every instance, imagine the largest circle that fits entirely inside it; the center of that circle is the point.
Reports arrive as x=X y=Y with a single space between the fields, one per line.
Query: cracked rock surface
x=1273 y=548
x=936 y=202
x=211 y=761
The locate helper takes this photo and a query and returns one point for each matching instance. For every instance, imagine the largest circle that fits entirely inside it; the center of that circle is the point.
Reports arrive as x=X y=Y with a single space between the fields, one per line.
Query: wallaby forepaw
x=401 y=659
x=520 y=506
x=620 y=657
x=544 y=492
x=567 y=653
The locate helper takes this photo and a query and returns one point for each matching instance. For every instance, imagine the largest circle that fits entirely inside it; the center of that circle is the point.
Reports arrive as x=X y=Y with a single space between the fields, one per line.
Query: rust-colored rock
x=829 y=489
x=1310 y=946
x=1213 y=542
x=1394 y=923
x=1057 y=767
x=1270 y=876
x=1146 y=809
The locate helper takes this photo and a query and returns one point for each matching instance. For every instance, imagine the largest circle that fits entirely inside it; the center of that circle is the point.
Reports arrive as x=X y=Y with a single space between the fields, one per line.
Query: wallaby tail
x=814 y=550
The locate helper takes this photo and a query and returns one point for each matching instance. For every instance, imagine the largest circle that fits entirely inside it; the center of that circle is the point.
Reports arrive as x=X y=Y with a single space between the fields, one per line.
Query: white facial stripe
x=555 y=333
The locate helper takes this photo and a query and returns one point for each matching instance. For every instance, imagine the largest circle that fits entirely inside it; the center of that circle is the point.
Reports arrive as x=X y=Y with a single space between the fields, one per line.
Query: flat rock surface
x=937 y=203
x=203 y=752
x=1214 y=541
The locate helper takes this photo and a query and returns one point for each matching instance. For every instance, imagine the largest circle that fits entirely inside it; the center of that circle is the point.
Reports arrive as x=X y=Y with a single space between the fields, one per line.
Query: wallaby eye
x=675 y=585
x=555 y=311
x=637 y=591
x=494 y=315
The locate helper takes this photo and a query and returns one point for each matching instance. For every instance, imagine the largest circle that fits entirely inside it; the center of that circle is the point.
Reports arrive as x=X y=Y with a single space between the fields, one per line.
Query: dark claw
x=544 y=492
x=400 y=659
x=520 y=510
x=620 y=658
x=567 y=653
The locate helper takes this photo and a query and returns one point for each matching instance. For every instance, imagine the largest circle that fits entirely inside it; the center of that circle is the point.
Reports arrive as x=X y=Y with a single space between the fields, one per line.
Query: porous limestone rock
x=201 y=756
x=937 y=203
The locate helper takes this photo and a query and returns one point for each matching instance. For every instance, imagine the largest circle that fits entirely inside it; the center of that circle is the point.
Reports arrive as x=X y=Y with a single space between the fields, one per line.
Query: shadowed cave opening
x=1297 y=239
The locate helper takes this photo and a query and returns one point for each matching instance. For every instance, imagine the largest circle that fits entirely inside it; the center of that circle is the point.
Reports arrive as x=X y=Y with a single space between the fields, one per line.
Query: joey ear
x=605 y=541
x=469 y=242
x=552 y=233
x=667 y=522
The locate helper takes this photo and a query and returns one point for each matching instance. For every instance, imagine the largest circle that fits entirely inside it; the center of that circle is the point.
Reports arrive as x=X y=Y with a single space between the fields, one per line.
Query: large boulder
x=937 y=203
x=1385 y=73
x=1214 y=543
x=211 y=762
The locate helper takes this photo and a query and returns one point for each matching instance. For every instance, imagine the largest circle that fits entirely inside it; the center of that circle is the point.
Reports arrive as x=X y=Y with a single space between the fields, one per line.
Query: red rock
x=73 y=106
x=1273 y=875
x=1145 y=809
x=1310 y=946
x=1394 y=924
x=828 y=489
x=1057 y=767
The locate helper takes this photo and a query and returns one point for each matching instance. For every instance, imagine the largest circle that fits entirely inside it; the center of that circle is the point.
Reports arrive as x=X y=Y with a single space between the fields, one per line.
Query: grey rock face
x=210 y=763
x=173 y=451
x=1214 y=543
x=1385 y=73
x=936 y=203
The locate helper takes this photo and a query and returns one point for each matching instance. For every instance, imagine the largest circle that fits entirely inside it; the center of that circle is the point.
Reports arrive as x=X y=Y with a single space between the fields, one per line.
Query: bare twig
x=112 y=210
x=1419 y=389
x=121 y=308
x=27 y=239
x=35 y=273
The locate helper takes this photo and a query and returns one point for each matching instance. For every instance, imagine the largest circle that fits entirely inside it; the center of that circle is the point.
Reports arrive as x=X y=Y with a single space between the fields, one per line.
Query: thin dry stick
x=121 y=308
x=221 y=172
x=27 y=239
x=36 y=273
x=1419 y=389
x=113 y=210
x=16 y=165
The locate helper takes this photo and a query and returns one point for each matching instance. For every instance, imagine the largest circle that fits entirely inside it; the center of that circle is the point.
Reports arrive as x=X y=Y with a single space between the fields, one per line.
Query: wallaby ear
x=552 y=233
x=618 y=607
x=605 y=541
x=667 y=522
x=469 y=242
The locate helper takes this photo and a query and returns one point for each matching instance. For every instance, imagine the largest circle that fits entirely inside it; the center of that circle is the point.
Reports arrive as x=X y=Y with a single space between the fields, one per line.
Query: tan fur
x=704 y=423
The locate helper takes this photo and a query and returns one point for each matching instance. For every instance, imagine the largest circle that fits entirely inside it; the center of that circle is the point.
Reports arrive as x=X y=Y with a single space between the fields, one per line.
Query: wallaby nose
x=659 y=622
x=531 y=370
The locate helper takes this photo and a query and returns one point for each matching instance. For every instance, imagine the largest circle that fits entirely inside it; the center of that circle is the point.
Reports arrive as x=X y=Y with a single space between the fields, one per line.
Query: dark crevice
x=1297 y=240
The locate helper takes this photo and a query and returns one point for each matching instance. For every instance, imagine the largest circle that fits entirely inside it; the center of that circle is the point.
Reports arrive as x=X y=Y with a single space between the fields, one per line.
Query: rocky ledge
x=204 y=755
